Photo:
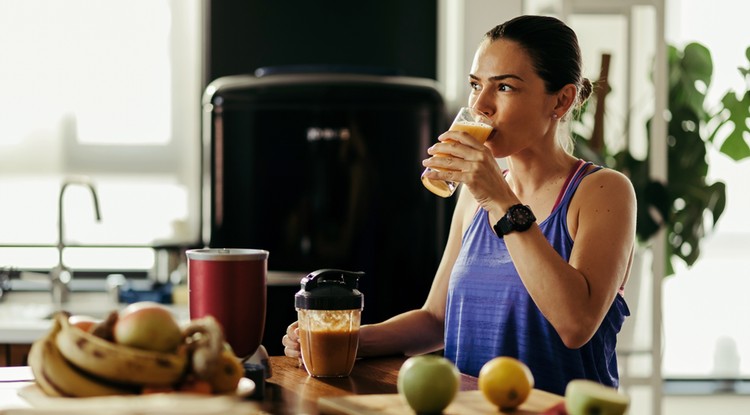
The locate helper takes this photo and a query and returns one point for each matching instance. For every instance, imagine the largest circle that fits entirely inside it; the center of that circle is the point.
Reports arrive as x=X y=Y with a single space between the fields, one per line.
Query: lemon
x=506 y=382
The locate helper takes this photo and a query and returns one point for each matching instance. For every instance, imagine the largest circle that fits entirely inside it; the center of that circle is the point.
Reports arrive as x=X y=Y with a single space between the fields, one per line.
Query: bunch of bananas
x=73 y=362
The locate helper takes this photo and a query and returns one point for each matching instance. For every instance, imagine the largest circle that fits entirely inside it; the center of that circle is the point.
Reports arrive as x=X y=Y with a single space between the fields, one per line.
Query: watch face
x=518 y=218
x=521 y=217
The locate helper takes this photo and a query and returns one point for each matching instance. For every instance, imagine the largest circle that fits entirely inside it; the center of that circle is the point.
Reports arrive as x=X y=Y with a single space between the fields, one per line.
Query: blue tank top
x=490 y=313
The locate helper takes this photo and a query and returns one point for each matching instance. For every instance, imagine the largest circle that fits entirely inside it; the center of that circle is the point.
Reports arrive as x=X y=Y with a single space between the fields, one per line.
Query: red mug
x=230 y=285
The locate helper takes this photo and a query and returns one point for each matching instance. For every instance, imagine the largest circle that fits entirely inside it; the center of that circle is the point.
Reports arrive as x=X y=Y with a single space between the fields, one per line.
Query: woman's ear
x=566 y=97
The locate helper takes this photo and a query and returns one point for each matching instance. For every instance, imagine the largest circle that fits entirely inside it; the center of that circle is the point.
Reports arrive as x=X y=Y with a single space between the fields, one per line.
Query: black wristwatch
x=518 y=218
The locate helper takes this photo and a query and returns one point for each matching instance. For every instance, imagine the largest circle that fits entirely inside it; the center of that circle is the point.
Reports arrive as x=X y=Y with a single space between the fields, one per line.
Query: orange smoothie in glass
x=480 y=131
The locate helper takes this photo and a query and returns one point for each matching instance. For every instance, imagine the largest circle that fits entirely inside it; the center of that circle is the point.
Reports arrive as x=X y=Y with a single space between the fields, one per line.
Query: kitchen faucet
x=61 y=275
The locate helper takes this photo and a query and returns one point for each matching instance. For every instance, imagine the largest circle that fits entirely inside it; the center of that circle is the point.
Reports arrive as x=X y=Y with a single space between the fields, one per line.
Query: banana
x=36 y=362
x=55 y=376
x=116 y=362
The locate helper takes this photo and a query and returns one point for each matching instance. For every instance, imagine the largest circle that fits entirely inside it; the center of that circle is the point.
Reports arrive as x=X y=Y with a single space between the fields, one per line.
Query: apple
x=429 y=383
x=148 y=325
x=583 y=397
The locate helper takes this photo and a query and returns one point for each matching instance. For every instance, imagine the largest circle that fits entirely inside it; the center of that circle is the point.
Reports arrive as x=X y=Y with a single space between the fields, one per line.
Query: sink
x=37 y=305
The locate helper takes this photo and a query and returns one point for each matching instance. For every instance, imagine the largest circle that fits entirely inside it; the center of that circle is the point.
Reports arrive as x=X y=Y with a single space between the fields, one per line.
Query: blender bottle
x=329 y=308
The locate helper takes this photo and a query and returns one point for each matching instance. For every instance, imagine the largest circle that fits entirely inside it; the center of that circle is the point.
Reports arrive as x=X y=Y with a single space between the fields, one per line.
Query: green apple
x=586 y=397
x=429 y=383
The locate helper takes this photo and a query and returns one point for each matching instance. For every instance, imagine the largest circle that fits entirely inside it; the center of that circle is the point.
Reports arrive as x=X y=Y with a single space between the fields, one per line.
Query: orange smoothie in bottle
x=329 y=311
x=329 y=352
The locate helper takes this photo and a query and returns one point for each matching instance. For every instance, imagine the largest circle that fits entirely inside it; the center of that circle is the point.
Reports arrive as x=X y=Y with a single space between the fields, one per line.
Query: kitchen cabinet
x=14 y=354
x=245 y=35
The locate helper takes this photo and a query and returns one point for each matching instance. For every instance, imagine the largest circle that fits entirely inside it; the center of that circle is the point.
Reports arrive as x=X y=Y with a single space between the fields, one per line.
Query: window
x=111 y=91
x=706 y=310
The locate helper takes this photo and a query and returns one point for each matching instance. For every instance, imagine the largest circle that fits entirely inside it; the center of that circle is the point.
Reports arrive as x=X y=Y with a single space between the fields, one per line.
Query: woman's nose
x=483 y=104
x=483 y=109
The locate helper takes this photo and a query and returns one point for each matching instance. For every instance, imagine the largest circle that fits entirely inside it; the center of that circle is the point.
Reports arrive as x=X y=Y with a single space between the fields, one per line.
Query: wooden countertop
x=291 y=391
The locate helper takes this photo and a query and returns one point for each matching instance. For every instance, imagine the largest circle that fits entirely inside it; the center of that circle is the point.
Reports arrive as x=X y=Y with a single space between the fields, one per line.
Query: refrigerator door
x=323 y=170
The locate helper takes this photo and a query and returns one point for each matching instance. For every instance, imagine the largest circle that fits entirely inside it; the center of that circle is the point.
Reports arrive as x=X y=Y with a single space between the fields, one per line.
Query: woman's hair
x=554 y=52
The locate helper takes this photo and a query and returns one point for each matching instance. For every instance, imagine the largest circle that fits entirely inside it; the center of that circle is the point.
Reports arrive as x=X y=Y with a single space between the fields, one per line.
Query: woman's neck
x=529 y=175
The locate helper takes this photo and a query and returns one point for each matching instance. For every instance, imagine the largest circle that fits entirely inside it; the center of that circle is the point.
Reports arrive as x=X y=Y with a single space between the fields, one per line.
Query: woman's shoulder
x=605 y=183
x=607 y=175
x=603 y=196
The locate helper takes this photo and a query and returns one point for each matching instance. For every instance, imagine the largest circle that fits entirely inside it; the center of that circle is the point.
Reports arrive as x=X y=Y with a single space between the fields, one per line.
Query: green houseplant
x=685 y=202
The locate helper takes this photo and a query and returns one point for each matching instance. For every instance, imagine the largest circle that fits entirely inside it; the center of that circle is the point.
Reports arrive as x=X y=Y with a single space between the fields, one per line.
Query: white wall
x=461 y=25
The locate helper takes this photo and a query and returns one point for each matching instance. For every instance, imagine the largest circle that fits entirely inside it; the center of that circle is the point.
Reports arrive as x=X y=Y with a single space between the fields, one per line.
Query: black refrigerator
x=321 y=168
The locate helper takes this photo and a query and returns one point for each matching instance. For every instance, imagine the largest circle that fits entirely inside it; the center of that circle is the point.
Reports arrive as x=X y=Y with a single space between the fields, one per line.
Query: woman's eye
x=505 y=88
x=474 y=86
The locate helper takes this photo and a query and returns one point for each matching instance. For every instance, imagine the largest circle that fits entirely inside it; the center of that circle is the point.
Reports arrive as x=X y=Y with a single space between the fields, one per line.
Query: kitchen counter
x=26 y=316
x=291 y=391
x=21 y=331
x=25 y=311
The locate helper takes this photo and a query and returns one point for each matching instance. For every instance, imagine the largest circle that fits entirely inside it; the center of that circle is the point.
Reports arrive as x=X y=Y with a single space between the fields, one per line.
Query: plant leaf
x=687 y=150
x=735 y=145
x=653 y=200
x=693 y=68
x=697 y=63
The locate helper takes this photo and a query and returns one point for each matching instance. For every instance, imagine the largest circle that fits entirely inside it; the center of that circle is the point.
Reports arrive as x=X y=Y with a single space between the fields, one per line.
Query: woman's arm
x=576 y=295
x=421 y=331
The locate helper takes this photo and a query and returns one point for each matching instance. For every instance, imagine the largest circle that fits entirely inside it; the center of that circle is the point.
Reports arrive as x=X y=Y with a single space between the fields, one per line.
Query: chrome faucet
x=61 y=275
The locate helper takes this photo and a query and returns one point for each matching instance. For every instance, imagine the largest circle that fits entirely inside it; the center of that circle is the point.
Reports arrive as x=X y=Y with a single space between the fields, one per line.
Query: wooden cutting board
x=466 y=403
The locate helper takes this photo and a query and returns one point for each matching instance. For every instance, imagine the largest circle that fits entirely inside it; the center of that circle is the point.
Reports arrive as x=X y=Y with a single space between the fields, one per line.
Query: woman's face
x=506 y=87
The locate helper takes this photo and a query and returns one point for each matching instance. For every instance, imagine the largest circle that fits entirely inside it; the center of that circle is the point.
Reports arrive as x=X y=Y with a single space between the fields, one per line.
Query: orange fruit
x=82 y=322
x=197 y=386
x=153 y=389
x=506 y=382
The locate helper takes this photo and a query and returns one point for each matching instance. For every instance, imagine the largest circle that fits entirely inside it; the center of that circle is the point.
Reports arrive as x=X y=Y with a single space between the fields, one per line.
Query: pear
x=586 y=397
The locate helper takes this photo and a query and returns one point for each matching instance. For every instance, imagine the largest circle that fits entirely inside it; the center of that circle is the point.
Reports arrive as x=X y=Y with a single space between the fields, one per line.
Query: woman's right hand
x=291 y=341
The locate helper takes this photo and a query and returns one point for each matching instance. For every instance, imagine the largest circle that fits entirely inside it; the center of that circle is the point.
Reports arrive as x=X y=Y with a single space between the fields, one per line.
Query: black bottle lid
x=330 y=289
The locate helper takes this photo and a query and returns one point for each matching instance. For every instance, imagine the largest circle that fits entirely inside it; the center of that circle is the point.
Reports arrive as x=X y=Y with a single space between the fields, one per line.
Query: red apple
x=148 y=325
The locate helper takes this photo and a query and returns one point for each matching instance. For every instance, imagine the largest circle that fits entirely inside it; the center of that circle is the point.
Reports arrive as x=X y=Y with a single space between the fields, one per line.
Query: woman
x=537 y=256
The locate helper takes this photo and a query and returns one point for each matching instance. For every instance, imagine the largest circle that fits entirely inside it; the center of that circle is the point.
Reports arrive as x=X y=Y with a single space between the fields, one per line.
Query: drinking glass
x=475 y=124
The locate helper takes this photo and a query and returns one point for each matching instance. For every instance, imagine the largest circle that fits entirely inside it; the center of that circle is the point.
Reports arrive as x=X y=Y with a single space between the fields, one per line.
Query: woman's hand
x=291 y=341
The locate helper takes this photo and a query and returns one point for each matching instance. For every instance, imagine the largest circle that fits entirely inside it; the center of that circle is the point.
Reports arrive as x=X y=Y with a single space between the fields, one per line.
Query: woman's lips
x=491 y=136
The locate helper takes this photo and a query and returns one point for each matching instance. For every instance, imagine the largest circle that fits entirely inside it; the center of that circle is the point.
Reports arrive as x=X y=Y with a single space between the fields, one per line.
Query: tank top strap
x=579 y=171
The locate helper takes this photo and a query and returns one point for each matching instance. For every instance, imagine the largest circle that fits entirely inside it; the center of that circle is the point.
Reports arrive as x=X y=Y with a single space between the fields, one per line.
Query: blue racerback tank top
x=490 y=313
